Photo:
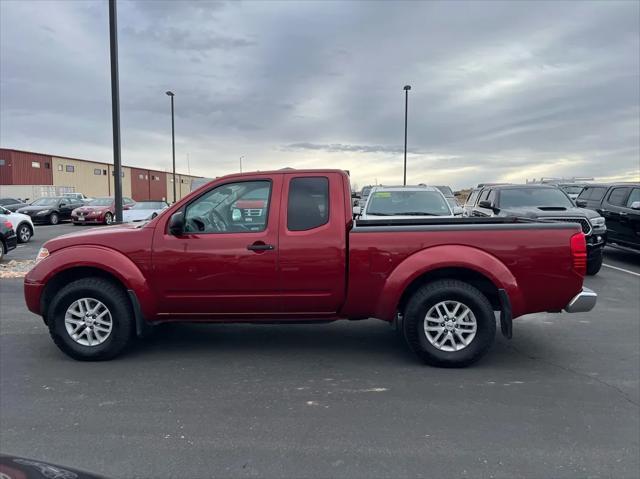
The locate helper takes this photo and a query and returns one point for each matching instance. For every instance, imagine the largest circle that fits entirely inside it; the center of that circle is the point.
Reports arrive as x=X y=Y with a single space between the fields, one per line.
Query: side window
x=597 y=193
x=231 y=208
x=472 y=198
x=633 y=197
x=492 y=196
x=618 y=196
x=308 y=203
x=585 y=193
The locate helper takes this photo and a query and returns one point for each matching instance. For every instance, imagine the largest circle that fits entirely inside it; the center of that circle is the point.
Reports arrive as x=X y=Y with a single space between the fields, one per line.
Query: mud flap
x=506 y=320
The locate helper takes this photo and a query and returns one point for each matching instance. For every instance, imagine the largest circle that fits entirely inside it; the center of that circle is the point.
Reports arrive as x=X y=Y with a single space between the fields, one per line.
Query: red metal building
x=25 y=168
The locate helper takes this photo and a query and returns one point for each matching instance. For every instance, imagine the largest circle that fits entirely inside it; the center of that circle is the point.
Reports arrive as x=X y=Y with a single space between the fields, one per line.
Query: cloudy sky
x=500 y=90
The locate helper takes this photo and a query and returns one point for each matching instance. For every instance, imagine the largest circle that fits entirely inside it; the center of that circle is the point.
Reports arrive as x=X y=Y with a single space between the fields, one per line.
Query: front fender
x=99 y=257
x=449 y=256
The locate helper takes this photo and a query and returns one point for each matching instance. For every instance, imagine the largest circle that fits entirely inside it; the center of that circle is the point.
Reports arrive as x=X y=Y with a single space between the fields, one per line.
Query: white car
x=22 y=224
x=405 y=202
x=143 y=210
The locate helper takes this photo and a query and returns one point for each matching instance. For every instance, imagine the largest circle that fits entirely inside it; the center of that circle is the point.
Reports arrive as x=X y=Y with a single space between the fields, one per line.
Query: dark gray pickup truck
x=543 y=203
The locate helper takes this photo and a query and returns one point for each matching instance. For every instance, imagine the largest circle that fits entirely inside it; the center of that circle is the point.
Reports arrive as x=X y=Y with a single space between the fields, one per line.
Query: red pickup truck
x=440 y=281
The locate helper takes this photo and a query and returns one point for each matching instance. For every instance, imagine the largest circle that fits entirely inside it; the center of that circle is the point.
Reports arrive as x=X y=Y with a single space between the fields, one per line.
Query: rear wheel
x=594 y=263
x=54 y=219
x=1 y=250
x=24 y=233
x=108 y=218
x=90 y=319
x=449 y=323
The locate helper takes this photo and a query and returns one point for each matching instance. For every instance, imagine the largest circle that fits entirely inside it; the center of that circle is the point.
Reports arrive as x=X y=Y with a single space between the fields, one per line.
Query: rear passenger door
x=312 y=257
x=613 y=210
x=630 y=220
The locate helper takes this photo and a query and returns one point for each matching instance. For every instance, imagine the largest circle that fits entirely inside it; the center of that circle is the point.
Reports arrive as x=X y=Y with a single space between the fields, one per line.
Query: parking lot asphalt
x=346 y=399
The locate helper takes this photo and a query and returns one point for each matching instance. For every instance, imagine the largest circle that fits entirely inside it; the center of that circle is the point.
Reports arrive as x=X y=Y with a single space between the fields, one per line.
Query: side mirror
x=176 y=223
x=581 y=203
x=485 y=204
x=457 y=210
x=635 y=205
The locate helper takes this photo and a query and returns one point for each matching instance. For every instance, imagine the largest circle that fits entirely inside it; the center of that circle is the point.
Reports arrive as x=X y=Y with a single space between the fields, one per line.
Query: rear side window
x=484 y=195
x=472 y=198
x=618 y=196
x=308 y=203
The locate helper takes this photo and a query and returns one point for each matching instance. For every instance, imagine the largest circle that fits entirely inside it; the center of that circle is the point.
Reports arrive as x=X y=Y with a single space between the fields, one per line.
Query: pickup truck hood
x=124 y=234
x=534 y=212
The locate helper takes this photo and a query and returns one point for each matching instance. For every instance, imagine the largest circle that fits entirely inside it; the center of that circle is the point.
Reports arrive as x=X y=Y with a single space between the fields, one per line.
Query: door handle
x=623 y=213
x=260 y=247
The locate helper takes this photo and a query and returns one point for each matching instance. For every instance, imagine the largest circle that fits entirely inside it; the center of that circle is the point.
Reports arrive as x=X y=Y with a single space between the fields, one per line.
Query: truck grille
x=583 y=222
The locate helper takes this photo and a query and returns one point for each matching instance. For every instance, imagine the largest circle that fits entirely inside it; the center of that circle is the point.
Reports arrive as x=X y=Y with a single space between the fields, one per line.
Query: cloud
x=500 y=89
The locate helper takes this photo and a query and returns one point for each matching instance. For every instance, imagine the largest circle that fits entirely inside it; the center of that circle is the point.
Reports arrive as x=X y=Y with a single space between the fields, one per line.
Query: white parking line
x=622 y=269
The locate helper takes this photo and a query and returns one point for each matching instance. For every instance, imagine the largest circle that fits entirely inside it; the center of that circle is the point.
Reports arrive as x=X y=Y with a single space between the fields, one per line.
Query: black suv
x=548 y=203
x=619 y=204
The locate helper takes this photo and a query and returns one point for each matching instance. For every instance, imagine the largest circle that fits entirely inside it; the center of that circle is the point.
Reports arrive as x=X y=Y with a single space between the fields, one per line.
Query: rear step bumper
x=582 y=302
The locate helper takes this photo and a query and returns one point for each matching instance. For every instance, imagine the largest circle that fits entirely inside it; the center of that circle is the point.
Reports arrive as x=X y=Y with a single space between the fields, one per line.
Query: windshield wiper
x=414 y=213
x=378 y=214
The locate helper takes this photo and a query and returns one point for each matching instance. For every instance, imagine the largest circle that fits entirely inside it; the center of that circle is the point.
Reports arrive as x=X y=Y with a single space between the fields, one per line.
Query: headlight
x=599 y=221
x=42 y=254
x=43 y=212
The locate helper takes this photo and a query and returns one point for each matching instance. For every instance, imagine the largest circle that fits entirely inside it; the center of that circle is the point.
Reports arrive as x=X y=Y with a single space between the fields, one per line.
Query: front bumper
x=87 y=221
x=32 y=293
x=582 y=302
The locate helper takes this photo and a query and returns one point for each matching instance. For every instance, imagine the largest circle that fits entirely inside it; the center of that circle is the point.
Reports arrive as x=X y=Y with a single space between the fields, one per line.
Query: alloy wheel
x=88 y=322
x=450 y=326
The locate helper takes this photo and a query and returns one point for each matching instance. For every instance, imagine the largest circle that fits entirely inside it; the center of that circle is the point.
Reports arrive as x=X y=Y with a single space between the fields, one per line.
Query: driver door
x=226 y=261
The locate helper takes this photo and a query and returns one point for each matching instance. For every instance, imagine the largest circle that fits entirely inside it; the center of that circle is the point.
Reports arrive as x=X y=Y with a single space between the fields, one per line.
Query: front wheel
x=449 y=323
x=108 y=218
x=594 y=264
x=54 y=219
x=90 y=319
x=24 y=233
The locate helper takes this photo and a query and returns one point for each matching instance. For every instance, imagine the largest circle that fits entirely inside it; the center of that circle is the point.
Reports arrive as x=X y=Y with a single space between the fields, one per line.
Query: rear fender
x=449 y=256
x=111 y=261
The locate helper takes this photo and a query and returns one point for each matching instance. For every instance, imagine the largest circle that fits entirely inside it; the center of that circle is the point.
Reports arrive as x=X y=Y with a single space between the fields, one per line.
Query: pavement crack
x=577 y=373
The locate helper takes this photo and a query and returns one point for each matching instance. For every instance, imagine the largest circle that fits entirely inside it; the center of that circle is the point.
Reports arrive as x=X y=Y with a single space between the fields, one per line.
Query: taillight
x=579 y=253
x=8 y=224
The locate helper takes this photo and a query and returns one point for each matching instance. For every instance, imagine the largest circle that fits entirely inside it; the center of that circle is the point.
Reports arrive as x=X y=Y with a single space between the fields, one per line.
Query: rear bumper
x=582 y=302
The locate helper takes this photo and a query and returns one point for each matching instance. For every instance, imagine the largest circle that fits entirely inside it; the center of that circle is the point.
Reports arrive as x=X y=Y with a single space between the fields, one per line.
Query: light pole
x=406 y=108
x=115 y=109
x=241 y=163
x=173 y=146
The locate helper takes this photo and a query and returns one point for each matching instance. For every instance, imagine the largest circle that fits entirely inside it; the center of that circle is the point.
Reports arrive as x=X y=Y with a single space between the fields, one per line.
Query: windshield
x=45 y=202
x=534 y=197
x=572 y=189
x=149 y=205
x=407 y=202
x=101 y=202
x=365 y=191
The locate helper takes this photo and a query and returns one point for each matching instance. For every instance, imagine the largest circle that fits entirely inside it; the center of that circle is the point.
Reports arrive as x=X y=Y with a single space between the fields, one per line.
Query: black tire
x=113 y=297
x=108 y=218
x=594 y=264
x=2 y=250
x=54 y=219
x=448 y=290
x=24 y=233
